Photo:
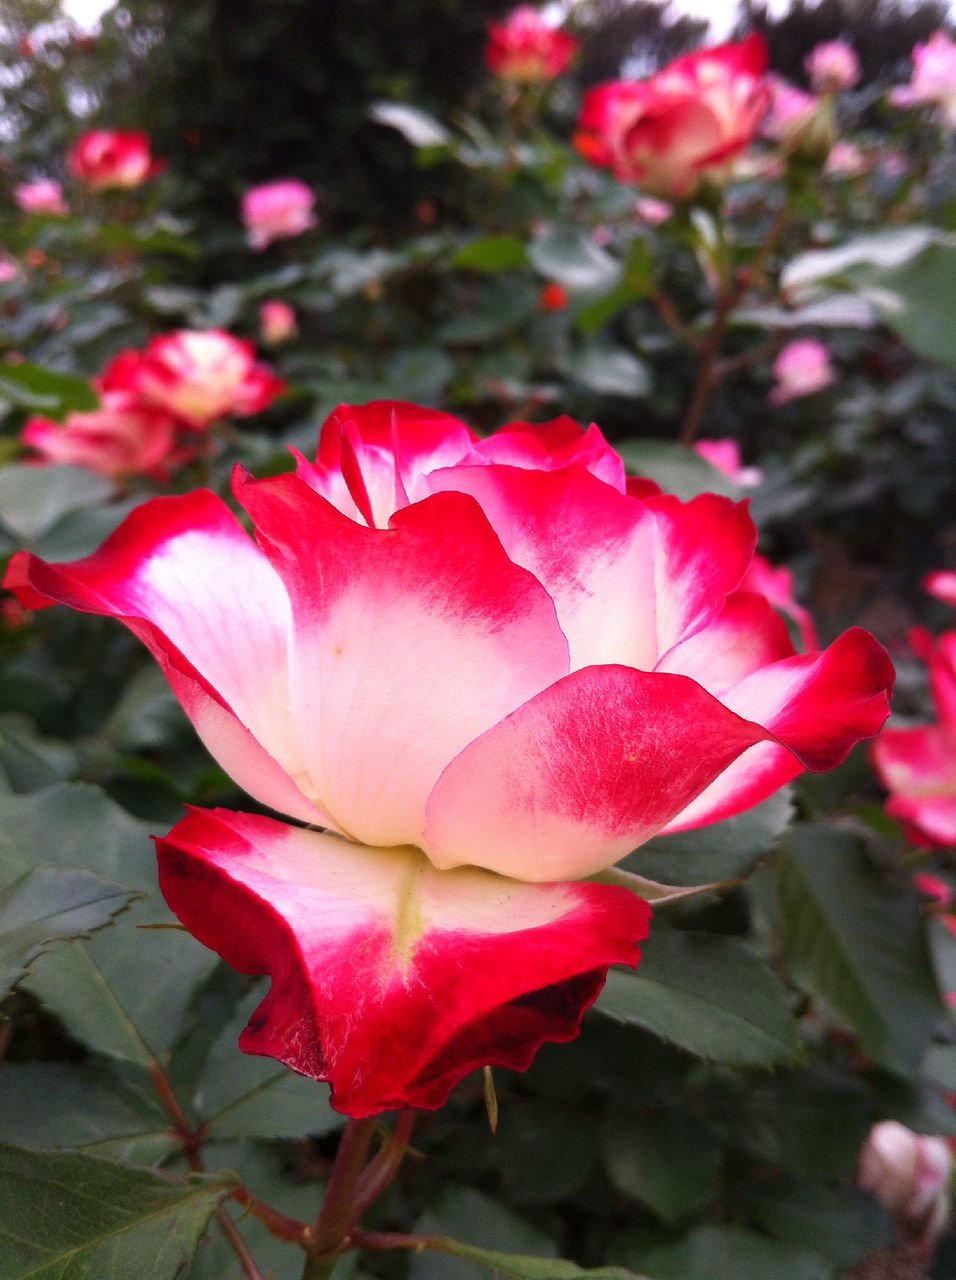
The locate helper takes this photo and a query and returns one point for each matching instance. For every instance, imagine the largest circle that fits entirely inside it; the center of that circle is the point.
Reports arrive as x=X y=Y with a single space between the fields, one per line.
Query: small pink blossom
x=909 y=1174
x=44 y=195
x=527 y=49
x=653 y=211
x=791 y=111
x=277 y=211
x=942 y=585
x=104 y=159
x=832 y=66
x=277 y=322
x=934 y=888
x=802 y=367
x=846 y=159
x=8 y=267
x=933 y=82
x=725 y=456
x=120 y=438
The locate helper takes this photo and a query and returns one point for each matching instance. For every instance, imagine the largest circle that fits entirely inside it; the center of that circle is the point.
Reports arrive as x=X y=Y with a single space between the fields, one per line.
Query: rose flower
x=120 y=438
x=104 y=159
x=682 y=126
x=487 y=672
x=526 y=49
x=277 y=211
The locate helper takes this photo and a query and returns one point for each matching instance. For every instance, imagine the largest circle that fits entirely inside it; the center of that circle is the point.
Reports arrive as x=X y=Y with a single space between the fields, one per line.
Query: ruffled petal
x=582 y=774
x=408 y=642
x=390 y=979
x=746 y=635
x=545 y=446
x=187 y=580
x=816 y=706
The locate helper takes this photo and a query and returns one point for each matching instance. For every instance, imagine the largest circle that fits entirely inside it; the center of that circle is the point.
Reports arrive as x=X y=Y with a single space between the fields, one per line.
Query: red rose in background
x=458 y=657
x=681 y=126
x=120 y=438
x=106 y=158
x=197 y=375
x=526 y=49
x=918 y=765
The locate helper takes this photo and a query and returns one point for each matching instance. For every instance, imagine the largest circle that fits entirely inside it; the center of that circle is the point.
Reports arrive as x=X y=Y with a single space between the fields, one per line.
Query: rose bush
x=107 y=158
x=682 y=126
x=459 y=657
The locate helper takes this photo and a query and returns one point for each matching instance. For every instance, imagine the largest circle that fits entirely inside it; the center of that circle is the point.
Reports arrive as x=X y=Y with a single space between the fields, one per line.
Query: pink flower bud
x=42 y=196
x=802 y=367
x=832 y=66
x=933 y=82
x=909 y=1174
x=105 y=159
x=276 y=322
x=526 y=49
x=277 y=211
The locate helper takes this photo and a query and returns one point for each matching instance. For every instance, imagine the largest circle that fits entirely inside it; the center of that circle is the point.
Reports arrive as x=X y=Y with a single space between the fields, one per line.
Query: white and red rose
x=487 y=669
x=106 y=158
x=682 y=126
x=526 y=49
x=120 y=438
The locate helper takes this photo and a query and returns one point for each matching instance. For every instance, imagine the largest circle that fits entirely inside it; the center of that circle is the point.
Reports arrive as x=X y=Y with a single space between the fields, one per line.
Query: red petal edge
x=390 y=1028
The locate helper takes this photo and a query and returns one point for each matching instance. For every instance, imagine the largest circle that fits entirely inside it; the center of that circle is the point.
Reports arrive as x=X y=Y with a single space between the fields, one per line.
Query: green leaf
x=415 y=126
x=844 y=1223
x=242 y=1095
x=666 y=1159
x=47 y=904
x=28 y=760
x=32 y=387
x=470 y=1223
x=547 y=1147
x=517 y=1266
x=721 y=851
x=676 y=469
x=491 y=254
x=709 y=995
x=569 y=255
x=732 y=1254
x=73 y=1217
x=33 y=499
x=611 y=371
x=856 y=940
x=636 y=283
x=160 y=240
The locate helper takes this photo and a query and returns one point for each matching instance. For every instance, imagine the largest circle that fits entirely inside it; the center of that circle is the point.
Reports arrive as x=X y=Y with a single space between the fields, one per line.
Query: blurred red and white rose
x=197 y=375
x=526 y=49
x=801 y=368
x=105 y=158
x=909 y=1173
x=917 y=765
x=933 y=82
x=775 y=584
x=488 y=670
x=277 y=323
x=121 y=438
x=832 y=66
x=44 y=195
x=277 y=211
x=682 y=126
x=725 y=456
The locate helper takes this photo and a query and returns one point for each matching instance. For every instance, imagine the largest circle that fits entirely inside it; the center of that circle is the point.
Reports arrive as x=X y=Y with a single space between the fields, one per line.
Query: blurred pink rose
x=121 y=438
x=526 y=48
x=832 y=66
x=725 y=456
x=682 y=126
x=42 y=196
x=277 y=322
x=942 y=585
x=8 y=267
x=847 y=159
x=909 y=1174
x=277 y=211
x=802 y=367
x=197 y=376
x=652 y=211
x=934 y=78
x=791 y=111
x=105 y=158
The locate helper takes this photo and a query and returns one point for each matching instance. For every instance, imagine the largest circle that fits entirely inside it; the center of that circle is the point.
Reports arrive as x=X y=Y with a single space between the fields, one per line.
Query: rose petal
x=747 y=634
x=407 y=643
x=582 y=774
x=390 y=979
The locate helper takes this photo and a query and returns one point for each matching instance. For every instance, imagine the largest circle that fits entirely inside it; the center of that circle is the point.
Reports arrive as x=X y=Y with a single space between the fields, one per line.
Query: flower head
x=832 y=66
x=725 y=456
x=106 y=158
x=801 y=368
x=933 y=82
x=909 y=1173
x=277 y=322
x=120 y=438
x=44 y=195
x=526 y=49
x=197 y=375
x=277 y=211
x=487 y=670
x=681 y=126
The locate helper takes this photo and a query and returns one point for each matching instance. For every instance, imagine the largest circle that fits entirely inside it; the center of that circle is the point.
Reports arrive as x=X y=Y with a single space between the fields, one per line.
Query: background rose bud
x=725 y=456
x=681 y=126
x=526 y=49
x=277 y=322
x=909 y=1173
x=104 y=159
x=196 y=375
x=44 y=195
x=933 y=82
x=121 y=438
x=832 y=66
x=277 y=211
x=553 y=297
x=802 y=367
